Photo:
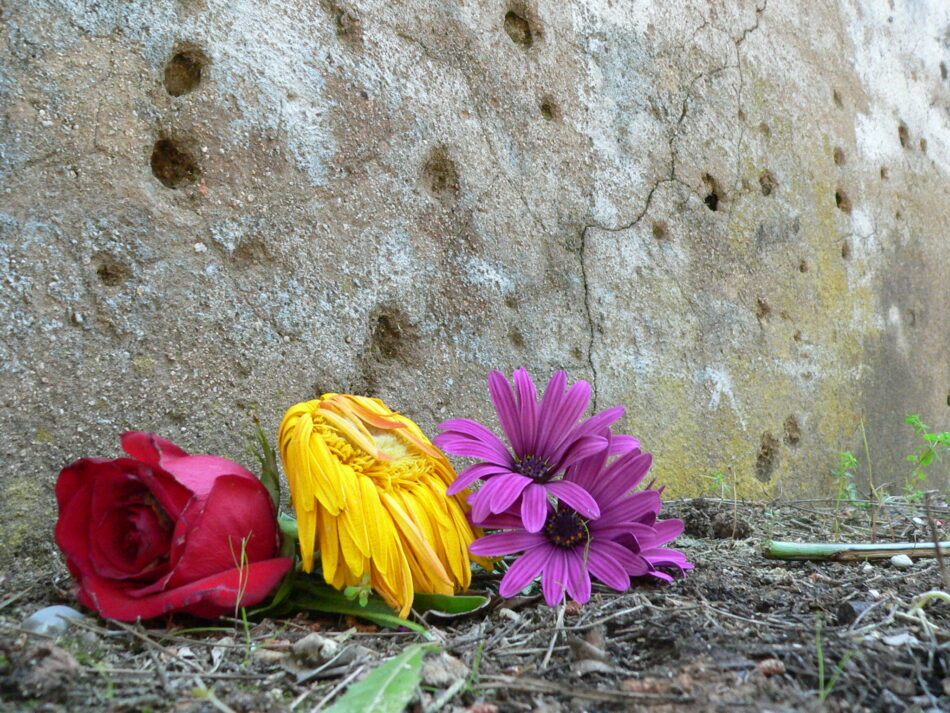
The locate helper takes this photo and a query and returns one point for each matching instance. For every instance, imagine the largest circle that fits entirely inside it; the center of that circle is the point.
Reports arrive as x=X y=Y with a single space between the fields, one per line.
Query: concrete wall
x=731 y=217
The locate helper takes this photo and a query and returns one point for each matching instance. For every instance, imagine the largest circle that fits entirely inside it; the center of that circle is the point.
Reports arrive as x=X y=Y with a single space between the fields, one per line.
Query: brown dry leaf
x=443 y=670
x=771 y=667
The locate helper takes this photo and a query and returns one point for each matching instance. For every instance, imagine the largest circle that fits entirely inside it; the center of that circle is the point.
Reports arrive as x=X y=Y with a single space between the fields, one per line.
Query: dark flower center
x=565 y=528
x=533 y=467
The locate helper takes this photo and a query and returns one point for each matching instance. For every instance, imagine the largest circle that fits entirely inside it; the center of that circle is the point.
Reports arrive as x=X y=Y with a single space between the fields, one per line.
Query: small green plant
x=924 y=455
x=826 y=687
x=721 y=480
x=846 y=492
x=360 y=592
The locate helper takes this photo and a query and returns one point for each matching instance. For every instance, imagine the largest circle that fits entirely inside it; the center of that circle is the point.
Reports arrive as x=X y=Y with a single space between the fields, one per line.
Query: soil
x=740 y=632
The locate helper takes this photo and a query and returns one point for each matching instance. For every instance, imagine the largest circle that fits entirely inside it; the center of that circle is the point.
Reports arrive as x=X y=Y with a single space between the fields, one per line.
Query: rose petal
x=237 y=525
x=210 y=597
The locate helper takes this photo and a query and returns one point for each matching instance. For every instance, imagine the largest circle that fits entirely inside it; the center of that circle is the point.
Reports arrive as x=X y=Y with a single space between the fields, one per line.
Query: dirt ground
x=740 y=632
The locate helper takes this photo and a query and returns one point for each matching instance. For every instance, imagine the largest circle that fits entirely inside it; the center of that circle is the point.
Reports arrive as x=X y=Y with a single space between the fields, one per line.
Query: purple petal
x=505 y=521
x=603 y=563
x=463 y=445
x=641 y=534
x=480 y=500
x=663 y=557
x=534 y=507
x=620 y=444
x=667 y=531
x=632 y=508
x=550 y=402
x=581 y=448
x=591 y=427
x=578 y=580
x=474 y=429
x=554 y=578
x=524 y=570
x=558 y=417
x=633 y=563
x=586 y=472
x=508 y=489
x=574 y=495
x=479 y=471
x=503 y=398
x=622 y=476
x=528 y=410
x=505 y=543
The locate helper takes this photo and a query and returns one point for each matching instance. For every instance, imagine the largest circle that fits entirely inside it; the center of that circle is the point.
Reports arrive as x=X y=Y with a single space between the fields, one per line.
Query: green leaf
x=314 y=596
x=389 y=688
x=267 y=456
x=447 y=605
x=928 y=457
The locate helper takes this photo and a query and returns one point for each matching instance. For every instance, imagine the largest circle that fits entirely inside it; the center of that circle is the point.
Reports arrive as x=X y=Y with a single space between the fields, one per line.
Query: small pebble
x=868 y=567
x=201 y=248
x=51 y=621
x=902 y=561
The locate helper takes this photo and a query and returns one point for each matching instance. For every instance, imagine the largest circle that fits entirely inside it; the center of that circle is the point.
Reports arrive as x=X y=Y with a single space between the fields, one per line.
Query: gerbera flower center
x=533 y=467
x=565 y=528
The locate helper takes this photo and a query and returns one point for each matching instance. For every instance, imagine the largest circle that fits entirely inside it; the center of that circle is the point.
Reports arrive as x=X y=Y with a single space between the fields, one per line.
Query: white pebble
x=868 y=567
x=51 y=621
x=201 y=248
x=902 y=561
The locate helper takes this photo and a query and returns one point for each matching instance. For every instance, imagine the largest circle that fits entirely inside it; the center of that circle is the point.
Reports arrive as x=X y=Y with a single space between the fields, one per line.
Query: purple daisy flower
x=546 y=438
x=570 y=547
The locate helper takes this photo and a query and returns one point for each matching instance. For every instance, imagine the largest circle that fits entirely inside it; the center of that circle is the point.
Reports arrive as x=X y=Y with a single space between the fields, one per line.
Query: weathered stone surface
x=730 y=216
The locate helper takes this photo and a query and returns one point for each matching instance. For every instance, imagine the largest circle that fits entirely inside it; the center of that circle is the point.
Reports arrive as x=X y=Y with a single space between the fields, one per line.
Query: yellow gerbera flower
x=369 y=489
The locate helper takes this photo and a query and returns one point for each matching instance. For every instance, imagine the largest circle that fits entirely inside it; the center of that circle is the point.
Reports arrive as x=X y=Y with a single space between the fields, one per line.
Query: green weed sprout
x=924 y=455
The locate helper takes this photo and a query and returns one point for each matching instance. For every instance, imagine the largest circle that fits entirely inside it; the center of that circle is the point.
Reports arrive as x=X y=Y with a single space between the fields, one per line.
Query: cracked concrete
x=728 y=216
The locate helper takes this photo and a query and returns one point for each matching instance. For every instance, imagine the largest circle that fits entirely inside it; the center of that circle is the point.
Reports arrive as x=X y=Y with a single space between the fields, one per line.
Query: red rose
x=164 y=532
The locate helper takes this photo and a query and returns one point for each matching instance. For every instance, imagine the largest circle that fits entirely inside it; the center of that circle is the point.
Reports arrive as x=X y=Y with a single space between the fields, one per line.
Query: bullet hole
x=842 y=201
x=943 y=71
x=348 y=25
x=903 y=135
x=793 y=432
x=440 y=175
x=251 y=251
x=391 y=332
x=923 y=145
x=519 y=29
x=797 y=336
x=661 y=230
x=839 y=156
x=803 y=266
x=550 y=109
x=516 y=338
x=765 y=459
x=741 y=115
x=111 y=271
x=885 y=174
x=173 y=165
x=845 y=250
x=764 y=128
x=712 y=193
x=767 y=183
x=762 y=309
x=183 y=71
x=898 y=215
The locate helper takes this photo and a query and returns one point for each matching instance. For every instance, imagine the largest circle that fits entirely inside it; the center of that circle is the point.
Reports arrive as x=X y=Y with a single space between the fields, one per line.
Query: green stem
x=831 y=551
